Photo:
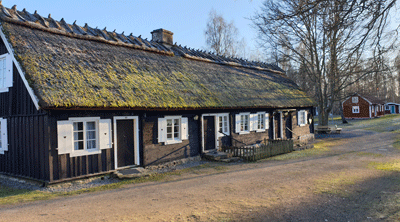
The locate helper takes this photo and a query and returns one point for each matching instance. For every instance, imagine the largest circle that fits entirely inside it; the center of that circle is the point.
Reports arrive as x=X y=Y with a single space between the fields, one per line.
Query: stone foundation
x=173 y=163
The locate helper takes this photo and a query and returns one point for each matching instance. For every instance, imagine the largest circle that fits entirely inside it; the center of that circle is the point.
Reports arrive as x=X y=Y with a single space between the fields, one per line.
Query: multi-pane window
x=84 y=135
x=3 y=72
x=173 y=129
x=260 y=121
x=354 y=99
x=302 y=118
x=244 y=122
x=356 y=109
x=223 y=124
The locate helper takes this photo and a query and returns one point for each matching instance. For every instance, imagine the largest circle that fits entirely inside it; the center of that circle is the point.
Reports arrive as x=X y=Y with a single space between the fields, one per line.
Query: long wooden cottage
x=79 y=101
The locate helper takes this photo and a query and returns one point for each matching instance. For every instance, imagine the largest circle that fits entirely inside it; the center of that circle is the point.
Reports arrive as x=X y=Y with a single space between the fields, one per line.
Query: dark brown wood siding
x=17 y=101
x=27 y=154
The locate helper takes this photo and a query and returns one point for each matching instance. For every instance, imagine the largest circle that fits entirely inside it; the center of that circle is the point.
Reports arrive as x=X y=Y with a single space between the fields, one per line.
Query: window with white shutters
x=83 y=136
x=172 y=129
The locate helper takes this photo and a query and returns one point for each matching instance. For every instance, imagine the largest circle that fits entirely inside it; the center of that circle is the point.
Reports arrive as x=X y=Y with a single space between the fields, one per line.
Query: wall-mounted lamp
x=196 y=117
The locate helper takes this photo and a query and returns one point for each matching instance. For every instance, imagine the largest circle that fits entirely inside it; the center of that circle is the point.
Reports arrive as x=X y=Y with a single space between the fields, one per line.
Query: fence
x=261 y=151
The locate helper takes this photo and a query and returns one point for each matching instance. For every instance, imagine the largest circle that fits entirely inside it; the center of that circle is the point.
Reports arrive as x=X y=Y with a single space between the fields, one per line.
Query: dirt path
x=338 y=185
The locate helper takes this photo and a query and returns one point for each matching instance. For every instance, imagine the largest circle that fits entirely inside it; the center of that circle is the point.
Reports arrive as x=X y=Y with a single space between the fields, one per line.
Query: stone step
x=130 y=173
x=218 y=156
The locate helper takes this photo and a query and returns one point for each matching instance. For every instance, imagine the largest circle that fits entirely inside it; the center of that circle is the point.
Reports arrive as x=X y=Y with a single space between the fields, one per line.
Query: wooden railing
x=261 y=151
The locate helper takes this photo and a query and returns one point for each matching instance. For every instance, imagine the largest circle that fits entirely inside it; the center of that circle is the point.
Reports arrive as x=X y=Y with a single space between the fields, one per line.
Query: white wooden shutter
x=253 y=122
x=162 y=130
x=305 y=117
x=267 y=121
x=298 y=118
x=185 y=128
x=4 y=135
x=9 y=71
x=237 y=123
x=65 y=137
x=105 y=133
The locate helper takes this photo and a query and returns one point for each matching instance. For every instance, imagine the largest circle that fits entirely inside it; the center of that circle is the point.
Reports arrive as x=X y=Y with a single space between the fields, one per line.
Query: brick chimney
x=162 y=36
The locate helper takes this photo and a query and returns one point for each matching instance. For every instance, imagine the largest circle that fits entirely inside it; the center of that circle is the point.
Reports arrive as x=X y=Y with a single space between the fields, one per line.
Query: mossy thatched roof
x=74 y=69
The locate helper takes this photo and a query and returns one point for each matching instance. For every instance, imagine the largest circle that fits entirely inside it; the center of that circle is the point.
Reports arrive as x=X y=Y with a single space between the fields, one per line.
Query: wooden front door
x=125 y=143
x=209 y=133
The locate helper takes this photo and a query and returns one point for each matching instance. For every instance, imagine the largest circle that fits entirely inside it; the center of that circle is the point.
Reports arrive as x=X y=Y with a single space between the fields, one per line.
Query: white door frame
x=136 y=139
x=215 y=115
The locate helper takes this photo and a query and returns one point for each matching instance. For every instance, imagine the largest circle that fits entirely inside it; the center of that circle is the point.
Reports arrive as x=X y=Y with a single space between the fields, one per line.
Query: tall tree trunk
x=344 y=121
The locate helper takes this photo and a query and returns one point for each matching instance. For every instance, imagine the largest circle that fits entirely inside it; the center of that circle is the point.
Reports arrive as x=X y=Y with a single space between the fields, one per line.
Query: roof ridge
x=36 y=21
x=86 y=32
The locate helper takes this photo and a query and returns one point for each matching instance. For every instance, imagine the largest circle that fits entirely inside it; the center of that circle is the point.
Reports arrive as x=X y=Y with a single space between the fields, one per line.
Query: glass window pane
x=176 y=129
x=169 y=135
x=78 y=136
x=91 y=144
x=78 y=126
x=176 y=135
x=169 y=122
x=78 y=145
x=169 y=129
x=90 y=126
x=90 y=135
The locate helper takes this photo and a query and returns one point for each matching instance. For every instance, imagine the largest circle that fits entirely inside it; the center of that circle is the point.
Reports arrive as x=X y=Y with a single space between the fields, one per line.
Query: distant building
x=361 y=106
x=392 y=108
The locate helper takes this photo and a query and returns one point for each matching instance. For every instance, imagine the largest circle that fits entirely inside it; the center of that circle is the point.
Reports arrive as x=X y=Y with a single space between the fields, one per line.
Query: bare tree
x=222 y=37
x=329 y=39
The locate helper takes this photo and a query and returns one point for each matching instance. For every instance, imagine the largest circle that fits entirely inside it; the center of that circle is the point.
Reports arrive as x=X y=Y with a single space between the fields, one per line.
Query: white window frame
x=387 y=107
x=85 y=151
x=224 y=124
x=6 y=81
x=65 y=130
x=183 y=130
x=355 y=109
x=260 y=117
x=354 y=99
x=239 y=123
x=302 y=121
x=85 y=139
x=3 y=136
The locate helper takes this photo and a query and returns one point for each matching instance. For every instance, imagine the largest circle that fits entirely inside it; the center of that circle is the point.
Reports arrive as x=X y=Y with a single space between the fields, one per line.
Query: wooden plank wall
x=26 y=155
x=64 y=167
x=68 y=167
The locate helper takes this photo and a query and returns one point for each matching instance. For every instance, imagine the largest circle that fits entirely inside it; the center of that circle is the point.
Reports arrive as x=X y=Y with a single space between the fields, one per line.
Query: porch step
x=220 y=156
x=130 y=173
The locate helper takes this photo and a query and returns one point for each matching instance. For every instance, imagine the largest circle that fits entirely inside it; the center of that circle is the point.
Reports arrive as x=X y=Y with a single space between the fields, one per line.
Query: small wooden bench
x=328 y=129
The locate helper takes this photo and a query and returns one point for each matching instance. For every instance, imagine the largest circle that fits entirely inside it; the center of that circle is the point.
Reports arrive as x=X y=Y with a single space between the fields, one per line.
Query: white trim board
x=21 y=73
x=136 y=145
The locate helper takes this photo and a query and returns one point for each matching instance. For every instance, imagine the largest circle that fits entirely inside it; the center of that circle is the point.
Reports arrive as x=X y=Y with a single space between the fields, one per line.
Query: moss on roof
x=71 y=72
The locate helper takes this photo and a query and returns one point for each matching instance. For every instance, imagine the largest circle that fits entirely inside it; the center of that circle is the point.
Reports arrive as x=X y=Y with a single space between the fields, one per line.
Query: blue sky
x=186 y=19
